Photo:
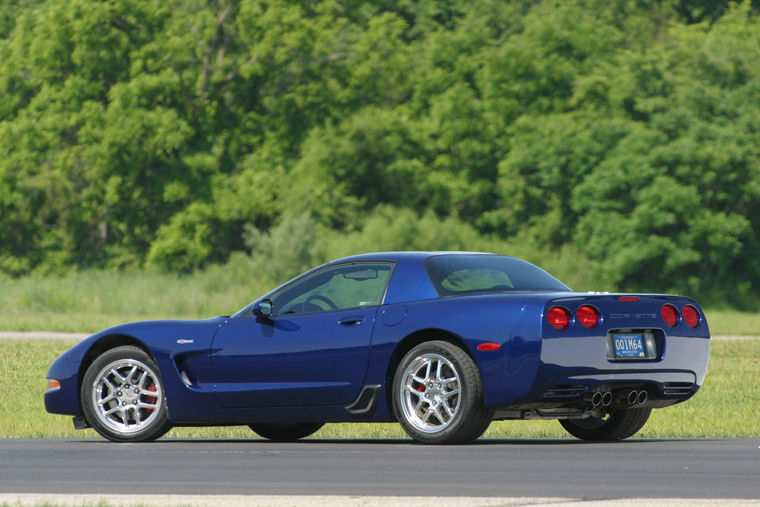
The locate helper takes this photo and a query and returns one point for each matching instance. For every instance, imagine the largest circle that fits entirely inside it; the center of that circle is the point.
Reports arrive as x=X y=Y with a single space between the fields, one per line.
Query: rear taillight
x=669 y=315
x=690 y=316
x=558 y=317
x=587 y=316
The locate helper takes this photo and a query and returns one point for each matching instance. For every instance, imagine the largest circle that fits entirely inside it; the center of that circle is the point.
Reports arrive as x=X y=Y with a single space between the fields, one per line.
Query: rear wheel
x=617 y=425
x=285 y=432
x=123 y=396
x=437 y=395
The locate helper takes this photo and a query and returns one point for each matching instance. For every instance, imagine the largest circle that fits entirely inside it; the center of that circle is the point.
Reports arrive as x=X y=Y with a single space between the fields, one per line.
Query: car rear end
x=605 y=351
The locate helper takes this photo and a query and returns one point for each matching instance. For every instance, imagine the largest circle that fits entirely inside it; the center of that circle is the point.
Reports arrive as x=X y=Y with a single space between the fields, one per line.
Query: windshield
x=455 y=274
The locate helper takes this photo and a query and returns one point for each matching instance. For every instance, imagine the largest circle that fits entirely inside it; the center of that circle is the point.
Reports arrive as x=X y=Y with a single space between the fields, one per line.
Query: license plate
x=629 y=346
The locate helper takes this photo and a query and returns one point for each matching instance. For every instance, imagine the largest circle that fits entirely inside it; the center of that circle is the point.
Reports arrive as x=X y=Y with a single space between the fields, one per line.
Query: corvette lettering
x=633 y=316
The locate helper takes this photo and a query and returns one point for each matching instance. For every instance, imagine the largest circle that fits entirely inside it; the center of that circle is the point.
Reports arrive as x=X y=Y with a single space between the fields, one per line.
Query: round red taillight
x=669 y=315
x=690 y=316
x=558 y=317
x=587 y=316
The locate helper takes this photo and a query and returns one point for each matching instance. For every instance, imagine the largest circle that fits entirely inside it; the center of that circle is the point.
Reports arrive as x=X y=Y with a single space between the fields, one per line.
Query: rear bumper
x=572 y=369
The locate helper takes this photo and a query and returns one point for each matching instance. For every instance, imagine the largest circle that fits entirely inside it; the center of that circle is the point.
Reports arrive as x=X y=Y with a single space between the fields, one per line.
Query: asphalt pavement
x=696 y=469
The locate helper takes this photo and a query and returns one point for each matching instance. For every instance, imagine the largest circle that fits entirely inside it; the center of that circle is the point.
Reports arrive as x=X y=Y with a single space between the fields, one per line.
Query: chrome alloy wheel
x=127 y=396
x=430 y=393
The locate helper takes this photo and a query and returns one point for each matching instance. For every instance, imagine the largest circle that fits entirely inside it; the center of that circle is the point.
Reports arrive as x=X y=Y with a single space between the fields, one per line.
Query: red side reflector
x=489 y=346
x=690 y=316
x=628 y=298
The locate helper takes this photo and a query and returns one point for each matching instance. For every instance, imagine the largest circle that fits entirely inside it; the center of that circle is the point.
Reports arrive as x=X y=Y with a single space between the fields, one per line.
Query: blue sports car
x=442 y=342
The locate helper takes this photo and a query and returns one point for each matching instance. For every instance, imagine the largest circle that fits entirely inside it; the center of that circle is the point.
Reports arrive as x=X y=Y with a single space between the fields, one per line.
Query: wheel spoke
x=117 y=375
x=449 y=394
x=438 y=371
x=445 y=405
x=109 y=384
x=427 y=371
x=142 y=380
x=131 y=373
x=138 y=421
x=427 y=415
x=408 y=389
x=106 y=399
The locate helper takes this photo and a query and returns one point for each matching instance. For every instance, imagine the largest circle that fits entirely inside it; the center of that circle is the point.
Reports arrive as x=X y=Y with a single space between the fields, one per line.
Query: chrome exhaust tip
x=607 y=399
x=642 y=397
x=633 y=397
x=596 y=399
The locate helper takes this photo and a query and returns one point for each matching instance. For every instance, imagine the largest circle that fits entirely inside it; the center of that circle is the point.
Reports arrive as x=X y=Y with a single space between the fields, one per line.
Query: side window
x=335 y=288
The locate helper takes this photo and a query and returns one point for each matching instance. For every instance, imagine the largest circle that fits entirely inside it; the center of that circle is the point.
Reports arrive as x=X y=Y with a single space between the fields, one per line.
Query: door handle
x=352 y=320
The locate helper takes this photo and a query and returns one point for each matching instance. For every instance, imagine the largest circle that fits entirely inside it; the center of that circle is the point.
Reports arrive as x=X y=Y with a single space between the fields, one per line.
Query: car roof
x=401 y=256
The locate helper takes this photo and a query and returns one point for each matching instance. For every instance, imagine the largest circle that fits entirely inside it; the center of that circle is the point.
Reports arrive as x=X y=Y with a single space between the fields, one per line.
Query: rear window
x=462 y=274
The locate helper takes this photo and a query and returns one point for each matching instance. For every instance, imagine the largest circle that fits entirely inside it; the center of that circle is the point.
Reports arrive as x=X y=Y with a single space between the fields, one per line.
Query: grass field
x=726 y=406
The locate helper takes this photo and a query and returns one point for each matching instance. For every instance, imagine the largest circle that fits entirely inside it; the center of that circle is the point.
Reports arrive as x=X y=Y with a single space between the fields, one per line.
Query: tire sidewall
x=469 y=391
x=155 y=429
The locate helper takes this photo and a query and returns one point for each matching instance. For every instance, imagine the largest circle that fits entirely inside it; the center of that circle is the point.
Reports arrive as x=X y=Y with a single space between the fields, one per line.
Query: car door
x=314 y=349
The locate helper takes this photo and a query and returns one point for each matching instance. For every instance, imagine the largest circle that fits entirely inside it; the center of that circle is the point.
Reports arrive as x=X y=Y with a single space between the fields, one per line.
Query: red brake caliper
x=151 y=388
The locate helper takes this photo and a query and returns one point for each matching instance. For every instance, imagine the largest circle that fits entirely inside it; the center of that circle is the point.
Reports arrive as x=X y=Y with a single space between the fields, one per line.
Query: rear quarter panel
x=511 y=320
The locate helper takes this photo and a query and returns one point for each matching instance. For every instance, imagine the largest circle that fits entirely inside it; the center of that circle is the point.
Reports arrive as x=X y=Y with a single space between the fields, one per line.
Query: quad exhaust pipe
x=605 y=398
x=637 y=398
x=601 y=398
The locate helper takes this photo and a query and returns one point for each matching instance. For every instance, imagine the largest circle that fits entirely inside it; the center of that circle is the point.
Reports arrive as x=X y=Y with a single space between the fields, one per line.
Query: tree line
x=618 y=141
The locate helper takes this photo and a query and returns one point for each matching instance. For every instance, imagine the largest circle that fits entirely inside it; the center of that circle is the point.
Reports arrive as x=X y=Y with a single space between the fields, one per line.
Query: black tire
x=285 y=432
x=103 y=390
x=446 y=405
x=620 y=424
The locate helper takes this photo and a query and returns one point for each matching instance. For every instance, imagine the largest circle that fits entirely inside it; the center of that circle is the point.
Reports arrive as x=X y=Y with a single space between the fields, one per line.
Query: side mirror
x=262 y=308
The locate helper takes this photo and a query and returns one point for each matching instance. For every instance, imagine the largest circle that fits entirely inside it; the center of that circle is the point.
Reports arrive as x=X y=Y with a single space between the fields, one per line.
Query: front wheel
x=437 y=395
x=285 y=432
x=123 y=396
x=619 y=424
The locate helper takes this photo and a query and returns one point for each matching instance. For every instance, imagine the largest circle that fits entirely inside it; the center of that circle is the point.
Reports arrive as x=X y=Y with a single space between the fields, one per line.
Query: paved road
x=516 y=468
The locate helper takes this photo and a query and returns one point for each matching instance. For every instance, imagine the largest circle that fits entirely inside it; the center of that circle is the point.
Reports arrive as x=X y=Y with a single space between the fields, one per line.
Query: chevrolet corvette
x=441 y=342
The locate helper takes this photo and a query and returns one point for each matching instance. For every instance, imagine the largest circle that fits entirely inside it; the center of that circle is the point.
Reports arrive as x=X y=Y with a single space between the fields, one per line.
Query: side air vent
x=678 y=387
x=565 y=391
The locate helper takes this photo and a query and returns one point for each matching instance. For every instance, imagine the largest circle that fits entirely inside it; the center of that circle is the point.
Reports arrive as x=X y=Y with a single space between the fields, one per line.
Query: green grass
x=726 y=405
x=730 y=322
x=93 y=300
